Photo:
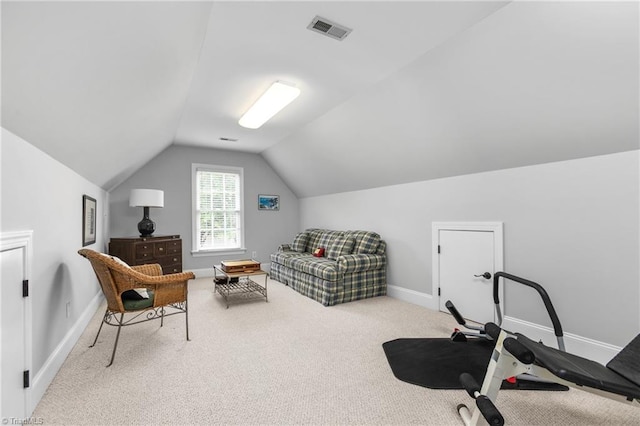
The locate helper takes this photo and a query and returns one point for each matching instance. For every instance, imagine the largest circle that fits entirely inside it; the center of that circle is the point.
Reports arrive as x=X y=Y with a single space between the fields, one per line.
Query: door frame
x=498 y=251
x=22 y=240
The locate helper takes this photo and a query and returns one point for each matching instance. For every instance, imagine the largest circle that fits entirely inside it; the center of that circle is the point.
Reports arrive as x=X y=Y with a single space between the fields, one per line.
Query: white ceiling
x=249 y=45
x=419 y=90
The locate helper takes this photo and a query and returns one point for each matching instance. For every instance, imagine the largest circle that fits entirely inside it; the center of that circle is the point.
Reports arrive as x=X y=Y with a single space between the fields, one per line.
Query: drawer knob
x=160 y=249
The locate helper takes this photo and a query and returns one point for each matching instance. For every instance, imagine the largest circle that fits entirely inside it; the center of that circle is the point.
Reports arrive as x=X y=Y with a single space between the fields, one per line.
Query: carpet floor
x=290 y=361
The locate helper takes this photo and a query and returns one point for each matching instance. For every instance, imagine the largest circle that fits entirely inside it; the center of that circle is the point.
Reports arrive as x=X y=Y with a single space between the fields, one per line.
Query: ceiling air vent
x=328 y=28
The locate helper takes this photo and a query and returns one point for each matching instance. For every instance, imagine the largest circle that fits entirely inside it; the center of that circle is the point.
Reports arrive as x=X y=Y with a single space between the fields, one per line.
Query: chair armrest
x=284 y=247
x=160 y=280
x=126 y=278
x=171 y=288
x=360 y=262
x=152 y=269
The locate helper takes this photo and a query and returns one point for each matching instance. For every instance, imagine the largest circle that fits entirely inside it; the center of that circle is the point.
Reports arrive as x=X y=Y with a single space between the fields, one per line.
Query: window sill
x=217 y=252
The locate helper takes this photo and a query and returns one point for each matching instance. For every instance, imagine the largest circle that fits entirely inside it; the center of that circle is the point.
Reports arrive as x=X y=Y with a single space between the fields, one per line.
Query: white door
x=466 y=254
x=14 y=336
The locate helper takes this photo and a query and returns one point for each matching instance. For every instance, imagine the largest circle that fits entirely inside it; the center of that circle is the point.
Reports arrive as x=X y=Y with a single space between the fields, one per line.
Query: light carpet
x=289 y=361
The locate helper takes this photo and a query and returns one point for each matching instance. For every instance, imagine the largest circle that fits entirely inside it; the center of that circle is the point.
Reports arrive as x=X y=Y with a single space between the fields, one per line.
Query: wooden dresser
x=164 y=249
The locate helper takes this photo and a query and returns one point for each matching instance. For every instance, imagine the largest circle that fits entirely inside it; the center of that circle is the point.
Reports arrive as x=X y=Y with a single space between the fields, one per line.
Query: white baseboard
x=202 y=273
x=588 y=348
x=46 y=374
x=412 y=296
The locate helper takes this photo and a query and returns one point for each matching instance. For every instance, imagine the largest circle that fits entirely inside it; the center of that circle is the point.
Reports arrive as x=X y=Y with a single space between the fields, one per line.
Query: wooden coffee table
x=238 y=283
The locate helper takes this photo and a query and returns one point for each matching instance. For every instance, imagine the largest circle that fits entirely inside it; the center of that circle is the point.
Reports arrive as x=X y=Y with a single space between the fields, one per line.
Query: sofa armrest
x=360 y=262
x=284 y=247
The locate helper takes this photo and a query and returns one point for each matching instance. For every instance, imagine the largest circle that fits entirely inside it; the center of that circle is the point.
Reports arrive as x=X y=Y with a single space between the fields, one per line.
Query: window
x=217 y=208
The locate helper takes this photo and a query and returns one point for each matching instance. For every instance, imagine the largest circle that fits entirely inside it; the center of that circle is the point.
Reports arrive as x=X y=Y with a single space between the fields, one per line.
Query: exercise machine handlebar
x=557 y=328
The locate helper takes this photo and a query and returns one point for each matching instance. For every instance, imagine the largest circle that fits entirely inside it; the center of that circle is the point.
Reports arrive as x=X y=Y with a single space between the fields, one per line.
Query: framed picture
x=268 y=202
x=88 y=220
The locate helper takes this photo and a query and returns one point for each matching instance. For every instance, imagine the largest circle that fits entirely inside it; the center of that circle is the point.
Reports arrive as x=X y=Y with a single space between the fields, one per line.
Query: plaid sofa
x=354 y=265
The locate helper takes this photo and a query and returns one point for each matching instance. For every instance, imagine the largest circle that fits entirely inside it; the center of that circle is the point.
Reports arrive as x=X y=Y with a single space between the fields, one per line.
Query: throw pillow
x=300 y=242
x=340 y=246
x=120 y=261
x=366 y=242
x=319 y=252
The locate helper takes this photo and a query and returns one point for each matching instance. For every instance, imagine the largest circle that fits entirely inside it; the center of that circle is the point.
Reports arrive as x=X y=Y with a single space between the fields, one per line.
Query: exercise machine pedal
x=458 y=336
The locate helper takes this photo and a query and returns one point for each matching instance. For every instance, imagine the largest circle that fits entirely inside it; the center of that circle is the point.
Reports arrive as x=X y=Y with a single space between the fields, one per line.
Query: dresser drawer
x=170 y=264
x=171 y=269
x=174 y=247
x=144 y=251
x=159 y=249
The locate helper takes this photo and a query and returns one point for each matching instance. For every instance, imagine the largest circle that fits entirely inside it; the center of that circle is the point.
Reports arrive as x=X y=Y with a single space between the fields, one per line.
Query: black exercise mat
x=438 y=363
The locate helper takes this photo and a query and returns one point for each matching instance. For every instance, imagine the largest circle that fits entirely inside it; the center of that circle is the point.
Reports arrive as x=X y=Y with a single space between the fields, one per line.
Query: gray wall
x=571 y=226
x=41 y=194
x=170 y=171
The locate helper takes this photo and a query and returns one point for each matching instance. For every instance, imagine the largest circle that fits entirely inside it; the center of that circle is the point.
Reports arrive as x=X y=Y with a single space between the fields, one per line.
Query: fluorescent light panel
x=278 y=96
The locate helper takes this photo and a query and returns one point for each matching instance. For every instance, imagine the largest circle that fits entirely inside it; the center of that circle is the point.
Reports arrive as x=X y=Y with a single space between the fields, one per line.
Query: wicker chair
x=165 y=292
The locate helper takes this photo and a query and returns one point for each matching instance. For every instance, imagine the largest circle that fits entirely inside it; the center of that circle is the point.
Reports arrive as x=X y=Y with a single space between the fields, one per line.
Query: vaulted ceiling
x=418 y=90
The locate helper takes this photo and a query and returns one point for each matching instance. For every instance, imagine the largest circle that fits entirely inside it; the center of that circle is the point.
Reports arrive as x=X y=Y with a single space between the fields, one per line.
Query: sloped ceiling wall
x=99 y=86
x=103 y=87
x=532 y=83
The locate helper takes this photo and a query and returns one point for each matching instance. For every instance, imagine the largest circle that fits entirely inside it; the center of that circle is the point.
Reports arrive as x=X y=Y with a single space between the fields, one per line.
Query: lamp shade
x=146 y=198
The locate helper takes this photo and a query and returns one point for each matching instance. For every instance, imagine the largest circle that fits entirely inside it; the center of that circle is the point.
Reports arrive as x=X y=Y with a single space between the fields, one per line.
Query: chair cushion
x=135 y=303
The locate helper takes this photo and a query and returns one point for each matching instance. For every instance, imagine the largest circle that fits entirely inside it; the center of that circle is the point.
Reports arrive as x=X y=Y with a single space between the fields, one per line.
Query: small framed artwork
x=88 y=220
x=268 y=202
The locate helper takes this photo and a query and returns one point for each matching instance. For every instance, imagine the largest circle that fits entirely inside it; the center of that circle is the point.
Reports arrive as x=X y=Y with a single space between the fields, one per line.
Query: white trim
x=194 y=227
x=498 y=250
x=54 y=362
x=202 y=273
x=23 y=240
x=588 y=348
x=415 y=297
x=219 y=252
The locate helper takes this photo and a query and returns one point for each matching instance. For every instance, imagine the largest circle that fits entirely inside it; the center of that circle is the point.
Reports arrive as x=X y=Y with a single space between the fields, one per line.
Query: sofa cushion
x=329 y=237
x=366 y=242
x=284 y=257
x=340 y=246
x=314 y=238
x=300 y=242
x=320 y=267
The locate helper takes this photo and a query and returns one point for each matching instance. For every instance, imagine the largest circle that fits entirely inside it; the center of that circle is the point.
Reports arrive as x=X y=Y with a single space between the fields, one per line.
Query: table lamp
x=146 y=198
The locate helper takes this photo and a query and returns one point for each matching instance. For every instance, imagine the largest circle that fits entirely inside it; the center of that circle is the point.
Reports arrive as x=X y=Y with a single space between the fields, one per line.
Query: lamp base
x=146 y=226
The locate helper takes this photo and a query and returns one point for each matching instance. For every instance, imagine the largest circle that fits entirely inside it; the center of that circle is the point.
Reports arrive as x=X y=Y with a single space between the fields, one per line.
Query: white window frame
x=195 y=250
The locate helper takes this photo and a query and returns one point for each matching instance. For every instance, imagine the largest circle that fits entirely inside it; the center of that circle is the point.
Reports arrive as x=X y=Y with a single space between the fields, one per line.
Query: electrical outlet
x=254 y=254
x=68 y=307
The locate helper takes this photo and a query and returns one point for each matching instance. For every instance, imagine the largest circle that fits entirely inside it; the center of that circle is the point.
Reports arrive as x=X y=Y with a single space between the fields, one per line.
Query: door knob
x=486 y=275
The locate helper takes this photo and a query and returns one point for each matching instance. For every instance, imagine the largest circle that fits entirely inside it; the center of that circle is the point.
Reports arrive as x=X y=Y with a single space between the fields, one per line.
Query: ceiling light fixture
x=278 y=96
